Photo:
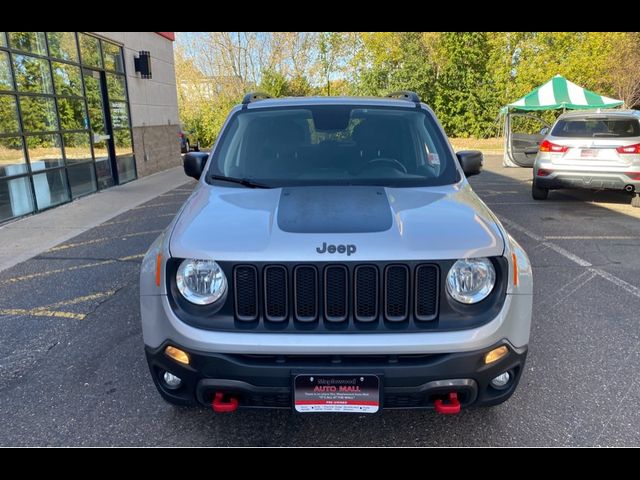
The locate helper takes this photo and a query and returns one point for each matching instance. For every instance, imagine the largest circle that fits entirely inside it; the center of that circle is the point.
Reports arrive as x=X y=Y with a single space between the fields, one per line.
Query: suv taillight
x=547 y=146
x=629 y=149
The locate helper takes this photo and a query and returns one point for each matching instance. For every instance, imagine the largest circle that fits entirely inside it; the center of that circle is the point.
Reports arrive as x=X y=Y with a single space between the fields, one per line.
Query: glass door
x=101 y=131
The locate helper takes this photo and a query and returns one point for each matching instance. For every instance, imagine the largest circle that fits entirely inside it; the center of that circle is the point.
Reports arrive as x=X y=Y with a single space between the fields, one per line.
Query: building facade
x=81 y=112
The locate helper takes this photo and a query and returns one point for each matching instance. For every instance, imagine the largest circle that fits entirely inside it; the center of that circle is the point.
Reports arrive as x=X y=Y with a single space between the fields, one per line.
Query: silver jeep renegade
x=334 y=258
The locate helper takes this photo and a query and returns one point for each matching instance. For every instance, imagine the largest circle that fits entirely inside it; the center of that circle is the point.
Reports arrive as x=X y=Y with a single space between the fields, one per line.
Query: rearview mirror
x=194 y=163
x=470 y=161
x=544 y=130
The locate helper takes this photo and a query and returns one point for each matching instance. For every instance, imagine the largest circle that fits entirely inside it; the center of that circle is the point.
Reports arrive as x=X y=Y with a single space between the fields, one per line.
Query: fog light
x=496 y=354
x=178 y=355
x=171 y=380
x=501 y=380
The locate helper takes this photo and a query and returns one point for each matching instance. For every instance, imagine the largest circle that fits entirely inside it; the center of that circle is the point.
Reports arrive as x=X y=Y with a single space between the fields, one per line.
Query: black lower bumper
x=408 y=381
x=585 y=181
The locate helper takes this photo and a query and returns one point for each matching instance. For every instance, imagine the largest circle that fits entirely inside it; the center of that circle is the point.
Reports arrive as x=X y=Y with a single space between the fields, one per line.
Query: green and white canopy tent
x=555 y=94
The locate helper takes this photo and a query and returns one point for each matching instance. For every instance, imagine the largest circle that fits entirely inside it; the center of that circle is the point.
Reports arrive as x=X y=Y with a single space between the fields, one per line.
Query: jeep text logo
x=348 y=249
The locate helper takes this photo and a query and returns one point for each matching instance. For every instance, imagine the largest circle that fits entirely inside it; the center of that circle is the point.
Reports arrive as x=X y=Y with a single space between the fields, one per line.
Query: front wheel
x=539 y=193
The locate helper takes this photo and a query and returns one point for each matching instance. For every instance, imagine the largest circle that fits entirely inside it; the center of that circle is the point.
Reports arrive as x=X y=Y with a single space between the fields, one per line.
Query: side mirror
x=470 y=161
x=544 y=130
x=194 y=163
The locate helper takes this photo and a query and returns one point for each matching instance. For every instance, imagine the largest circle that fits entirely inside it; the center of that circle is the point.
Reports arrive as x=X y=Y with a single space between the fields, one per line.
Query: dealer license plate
x=336 y=393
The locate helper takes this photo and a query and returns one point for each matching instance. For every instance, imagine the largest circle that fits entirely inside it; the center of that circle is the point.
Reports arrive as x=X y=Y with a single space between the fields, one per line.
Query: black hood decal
x=348 y=209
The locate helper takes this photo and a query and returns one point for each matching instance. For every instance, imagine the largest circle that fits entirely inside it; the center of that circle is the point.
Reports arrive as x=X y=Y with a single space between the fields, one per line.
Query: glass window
x=67 y=79
x=32 y=74
x=597 y=128
x=38 y=114
x=6 y=83
x=51 y=188
x=44 y=152
x=3 y=40
x=90 y=50
x=103 y=165
x=336 y=145
x=112 y=57
x=72 y=114
x=116 y=87
x=82 y=179
x=122 y=140
x=12 y=161
x=63 y=45
x=8 y=114
x=126 y=168
x=29 y=42
x=94 y=102
x=119 y=115
x=15 y=198
x=76 y=147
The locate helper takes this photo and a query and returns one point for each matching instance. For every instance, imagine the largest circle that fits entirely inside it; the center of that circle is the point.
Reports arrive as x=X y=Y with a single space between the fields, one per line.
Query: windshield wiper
x=242 y=181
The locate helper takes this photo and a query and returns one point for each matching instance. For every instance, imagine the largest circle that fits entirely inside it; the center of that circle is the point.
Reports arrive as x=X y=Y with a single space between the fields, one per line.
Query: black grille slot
x=276 y=299
x=426 y=292
x=246 y=292
x=336 y=300
x=306 y=293
x=366 y=293
x=396 y=292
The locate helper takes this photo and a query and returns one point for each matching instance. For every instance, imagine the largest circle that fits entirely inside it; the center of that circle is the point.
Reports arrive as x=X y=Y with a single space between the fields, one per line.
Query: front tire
x=539 y=193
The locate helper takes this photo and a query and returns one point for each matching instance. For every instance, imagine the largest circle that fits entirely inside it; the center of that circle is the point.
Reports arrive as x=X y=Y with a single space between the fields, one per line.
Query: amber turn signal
x=496 y=354
x=178 y=355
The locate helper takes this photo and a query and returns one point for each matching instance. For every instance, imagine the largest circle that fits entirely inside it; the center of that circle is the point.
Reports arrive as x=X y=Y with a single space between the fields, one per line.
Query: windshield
x=335 y=145
x=597 y=127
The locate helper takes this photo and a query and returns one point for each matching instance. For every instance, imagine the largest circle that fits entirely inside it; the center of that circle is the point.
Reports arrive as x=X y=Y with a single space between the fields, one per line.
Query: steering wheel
x=391 y=162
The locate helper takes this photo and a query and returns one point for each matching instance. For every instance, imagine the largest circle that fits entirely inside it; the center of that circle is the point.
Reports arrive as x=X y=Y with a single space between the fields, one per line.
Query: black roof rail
x=254 y=97
x=405 y=95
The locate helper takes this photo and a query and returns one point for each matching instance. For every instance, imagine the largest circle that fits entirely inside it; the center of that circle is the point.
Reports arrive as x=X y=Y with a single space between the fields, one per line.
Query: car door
x=525 y=132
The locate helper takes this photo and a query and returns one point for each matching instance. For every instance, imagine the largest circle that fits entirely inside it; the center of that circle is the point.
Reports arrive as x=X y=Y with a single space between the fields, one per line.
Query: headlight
x=471 y=280
x=201 y=281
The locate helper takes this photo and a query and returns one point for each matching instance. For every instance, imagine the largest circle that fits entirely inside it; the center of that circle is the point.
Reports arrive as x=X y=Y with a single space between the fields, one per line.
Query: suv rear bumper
x=408 y=381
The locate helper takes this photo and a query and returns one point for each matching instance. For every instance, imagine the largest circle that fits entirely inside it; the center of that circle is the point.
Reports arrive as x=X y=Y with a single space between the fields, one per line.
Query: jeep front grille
x=335 y=295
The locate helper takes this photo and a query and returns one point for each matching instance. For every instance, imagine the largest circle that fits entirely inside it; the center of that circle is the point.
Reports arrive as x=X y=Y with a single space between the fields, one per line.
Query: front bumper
x=408 y=381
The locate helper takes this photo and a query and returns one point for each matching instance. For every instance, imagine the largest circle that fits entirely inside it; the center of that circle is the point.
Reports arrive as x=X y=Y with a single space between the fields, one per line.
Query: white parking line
x=590 y=237
x=632 y=289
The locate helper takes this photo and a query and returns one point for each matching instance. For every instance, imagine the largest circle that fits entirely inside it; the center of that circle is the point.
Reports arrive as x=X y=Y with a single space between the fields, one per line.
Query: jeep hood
x=290 y=224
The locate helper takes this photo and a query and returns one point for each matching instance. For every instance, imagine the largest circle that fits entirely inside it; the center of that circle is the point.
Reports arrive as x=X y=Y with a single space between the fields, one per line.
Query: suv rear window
x=597 y=127
x=335 y=145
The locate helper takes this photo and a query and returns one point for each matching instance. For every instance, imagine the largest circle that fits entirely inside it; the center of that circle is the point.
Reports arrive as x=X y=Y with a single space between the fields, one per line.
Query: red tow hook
x=450 y=408
x=219 y=405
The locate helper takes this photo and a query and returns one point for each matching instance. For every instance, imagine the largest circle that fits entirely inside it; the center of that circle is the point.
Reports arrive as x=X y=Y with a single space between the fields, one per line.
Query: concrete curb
x=27 y=237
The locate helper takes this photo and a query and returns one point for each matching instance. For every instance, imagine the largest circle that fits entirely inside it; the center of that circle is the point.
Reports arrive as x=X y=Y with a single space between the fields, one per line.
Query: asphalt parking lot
x=72 y=367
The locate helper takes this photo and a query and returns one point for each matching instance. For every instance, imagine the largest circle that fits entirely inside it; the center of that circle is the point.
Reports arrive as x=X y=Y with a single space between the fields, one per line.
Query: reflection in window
x=76 y=147
x=8 y=114
x=32 y=74
x=63 y=45
x=90 y=50
x=38 y=114
x=15 y=198
x=44 y=152
x=116 y=87
x=112 y=57
x=126 y=168
x=119 y=115
x=94 y=102
x=67 y=79
x=3 y=40
x=5 y=72
x=123 y=142
x=82 y=179
x=12 y=161
x=51 y=188
x=72 y=114
x=29 y=42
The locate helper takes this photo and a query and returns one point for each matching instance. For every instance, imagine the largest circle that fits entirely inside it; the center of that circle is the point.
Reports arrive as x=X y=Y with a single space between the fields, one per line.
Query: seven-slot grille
x=336 y=293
